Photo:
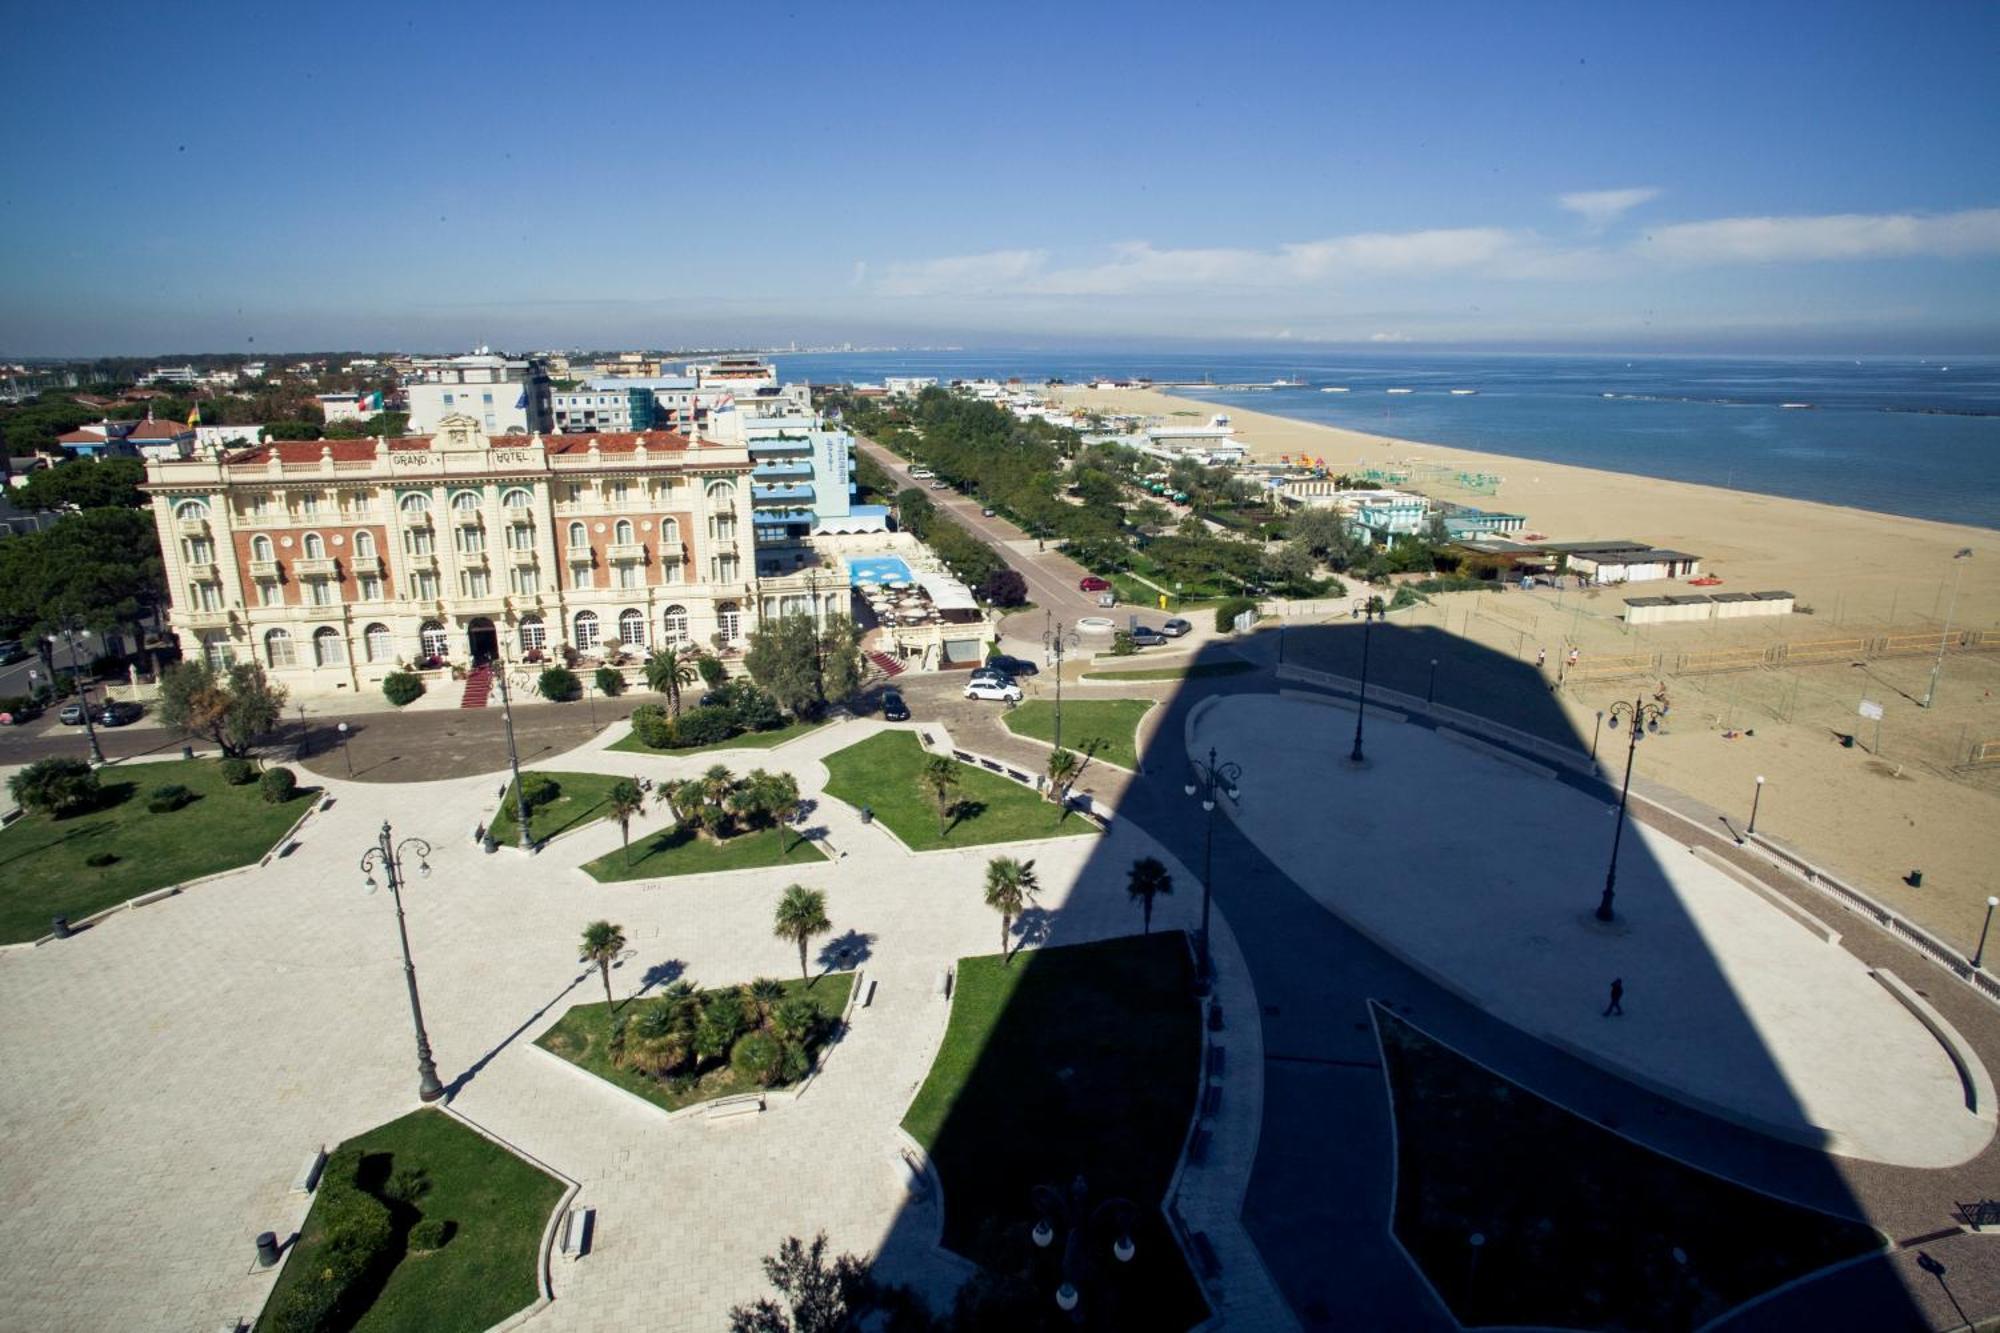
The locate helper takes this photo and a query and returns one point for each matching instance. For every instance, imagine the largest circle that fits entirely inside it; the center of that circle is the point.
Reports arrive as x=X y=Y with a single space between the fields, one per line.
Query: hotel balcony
x=365 y=564
x=578 y=555
x=521 y=518
x=481 y=604
x=199 y=618
x=779 y=470
x=263 y=569
x=784 y=495
x=203 y=571
x=314 y=569
x=520 y=555
x=780 y=447
x=670 y=553
x=626 y=552
x=191 y=527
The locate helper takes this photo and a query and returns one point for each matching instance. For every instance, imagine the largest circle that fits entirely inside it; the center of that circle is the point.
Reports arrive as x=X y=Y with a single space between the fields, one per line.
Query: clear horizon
x=1774 y=180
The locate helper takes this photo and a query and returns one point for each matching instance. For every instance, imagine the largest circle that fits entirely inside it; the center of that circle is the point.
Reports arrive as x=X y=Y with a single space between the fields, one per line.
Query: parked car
x=1176 y=627
x=117 y=713
x=940 y=485
x=992 y=675
x=11 y=651
x=1092 y=583
x=1007 y=692
x=921 y=474
x=893 y=707
x=71 y=715
x=1147 y=637
x=1014 y=666
x=987 y=512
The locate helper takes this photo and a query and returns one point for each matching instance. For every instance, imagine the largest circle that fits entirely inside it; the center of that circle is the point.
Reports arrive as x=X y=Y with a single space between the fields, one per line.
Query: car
x=1092 y=583
x=1014 y=666
x=987 y=512
x=1005 y=692
x=893 y=707
x=1176 y=627
x=921 y=474
x=117 y=713
x=940 y=485
x=992 y=674
x=71 y=715
x=1146 y=637
x=11 y=651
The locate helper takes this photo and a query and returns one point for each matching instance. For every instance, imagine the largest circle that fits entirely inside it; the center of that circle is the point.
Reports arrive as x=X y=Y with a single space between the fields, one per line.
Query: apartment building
x=606 y=405
x=504 y=396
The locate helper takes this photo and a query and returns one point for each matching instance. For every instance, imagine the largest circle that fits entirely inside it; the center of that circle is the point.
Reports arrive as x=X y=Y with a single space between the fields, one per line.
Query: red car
x=1092 y=583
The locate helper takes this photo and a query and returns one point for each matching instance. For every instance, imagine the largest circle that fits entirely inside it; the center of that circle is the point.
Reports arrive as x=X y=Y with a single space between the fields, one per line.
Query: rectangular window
x=371 y=588
x=417 y=541
x=425 y=585
x=615 y=492
x=320 y=592
x=520 y=538
x=447 y=400
x=582 y=576
x=200 y=551
x=486 y=398
x=267 y=592
x=471 y=541
x=309 y=504
x=628 y=576
x=525 y=580
x=475 y=583
x=207 y=596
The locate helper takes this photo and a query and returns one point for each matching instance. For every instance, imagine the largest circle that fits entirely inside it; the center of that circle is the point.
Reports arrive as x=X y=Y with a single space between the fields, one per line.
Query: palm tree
x=941 y=777
x=777 y=797
x=667 y=670
x=602 y=943
x=625 y=800
x=1063 y=766
x=765 y=992
x=801 y=915
x=1147 y=880
x=1009 y=885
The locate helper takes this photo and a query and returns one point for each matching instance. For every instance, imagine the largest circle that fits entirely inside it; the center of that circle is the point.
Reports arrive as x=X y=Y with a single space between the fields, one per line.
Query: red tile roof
x=159 y=430
x=308 y=451
x=618 y=443
x=88 y=435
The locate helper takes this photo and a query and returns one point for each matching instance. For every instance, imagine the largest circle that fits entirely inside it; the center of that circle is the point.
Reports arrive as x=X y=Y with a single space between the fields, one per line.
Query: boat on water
x=1402 y=391
x=1463 y=393
x=1282 y=383
x=1334 y=388
x=1796 y=407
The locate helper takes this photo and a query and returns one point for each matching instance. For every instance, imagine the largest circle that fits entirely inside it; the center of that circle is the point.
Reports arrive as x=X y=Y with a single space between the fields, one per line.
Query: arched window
x=675 y=625
x=721 y=495
x=381 y=644
x=364 y=543
x=622 y=534
x=315 y=546
x=578 y=536
x=465 y=502
x=670 y=530
x=534 y=635
x=517 y=499
x=278 y=648
x=328 y=650
x=586 y=631
x=416 y=504
x=632 y=628
x=260 y=548
x=433 y=639
x=190 y=511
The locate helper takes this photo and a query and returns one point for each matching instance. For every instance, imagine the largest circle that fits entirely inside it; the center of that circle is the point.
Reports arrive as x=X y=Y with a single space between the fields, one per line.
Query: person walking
x=1617 y=1005
x=1541 y=658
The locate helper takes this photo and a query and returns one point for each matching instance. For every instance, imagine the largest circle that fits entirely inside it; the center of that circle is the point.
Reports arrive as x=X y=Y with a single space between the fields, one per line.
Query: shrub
x=1405 y=596
x=402 y=687
x=17 y=703
x=723 y=1019
x=713 y=673
x=1227 y=611
x=756 y=710
x=431 y=1234
x=101 y=859
x=278 y=785
x=758 y=1057
x=610 y=681
x=539 y=789
x=56 y=787
x=238 y=772
x=165 y=800
x=356 y=1235
x=1122 y=645
x=704 y=726
x=559 y=684
x=653 y=727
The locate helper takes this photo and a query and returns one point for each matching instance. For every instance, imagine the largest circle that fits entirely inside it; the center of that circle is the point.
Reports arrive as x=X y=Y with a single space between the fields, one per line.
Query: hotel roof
x=354 y=451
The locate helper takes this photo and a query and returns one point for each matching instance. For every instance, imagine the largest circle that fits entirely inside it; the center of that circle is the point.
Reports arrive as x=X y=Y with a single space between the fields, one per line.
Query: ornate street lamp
x=82 y=694
x=1210 y=779
x=1071 y=1212
x=387 y=855
x=1937 y=668
x=514 y=761
x=1369 y=609
x=1641 y=717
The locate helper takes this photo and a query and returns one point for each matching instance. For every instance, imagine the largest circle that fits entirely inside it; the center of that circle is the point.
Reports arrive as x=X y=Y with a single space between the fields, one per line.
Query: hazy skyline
x=1727 y=178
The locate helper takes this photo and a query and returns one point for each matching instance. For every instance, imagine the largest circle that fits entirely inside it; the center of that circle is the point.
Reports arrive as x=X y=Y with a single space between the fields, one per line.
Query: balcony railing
x=578 y=555
x=521 y=555
x=627 y=552
x=203 y=571
x=365 y=564
x=670 y=553
x=314 y=569
x=263 y=569
x=191 y=527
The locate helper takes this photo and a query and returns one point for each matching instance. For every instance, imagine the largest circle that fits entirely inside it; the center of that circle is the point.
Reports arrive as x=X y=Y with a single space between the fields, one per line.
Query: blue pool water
x=877 y=569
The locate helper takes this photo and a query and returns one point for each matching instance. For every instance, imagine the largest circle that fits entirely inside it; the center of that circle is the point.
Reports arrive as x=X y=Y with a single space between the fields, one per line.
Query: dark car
x=117 y=713
x=11 y=652
x=1092 y=583
x=1147 y=637
x=1014 y=666
x=1176 y=627
x=893 y=707
x=71 y=715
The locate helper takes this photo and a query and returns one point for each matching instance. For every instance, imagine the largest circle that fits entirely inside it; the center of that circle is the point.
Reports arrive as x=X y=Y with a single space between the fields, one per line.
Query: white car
x=993 y=689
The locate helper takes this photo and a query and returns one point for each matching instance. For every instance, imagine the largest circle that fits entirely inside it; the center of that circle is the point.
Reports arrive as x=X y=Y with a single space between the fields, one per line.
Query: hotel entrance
x=483 y=639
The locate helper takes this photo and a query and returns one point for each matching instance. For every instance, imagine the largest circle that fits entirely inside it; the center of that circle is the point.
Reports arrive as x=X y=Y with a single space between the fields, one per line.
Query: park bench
x=868 y=996
x=1215 y=1016
x=307 y=1179
x=1204 y=1253
x=1211 y=1101
x=576 y=1232
x=1197 y=1152
x=724 y=1108
x=1215 y=1055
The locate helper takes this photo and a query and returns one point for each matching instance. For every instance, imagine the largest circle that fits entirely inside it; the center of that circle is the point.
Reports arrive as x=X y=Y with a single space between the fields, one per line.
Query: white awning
x=947 y=593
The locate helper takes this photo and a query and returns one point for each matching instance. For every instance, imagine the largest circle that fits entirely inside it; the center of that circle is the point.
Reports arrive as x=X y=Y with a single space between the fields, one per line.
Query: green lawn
x=677 y=852
x=1069 y=1060
x=1113 y=723
x=42 y=870
x=749 y=740
x=485 y=1272
x=583 y=799
x=1586 y=1246
x=583 y=1037
x=883 y=772
x=1199 y=671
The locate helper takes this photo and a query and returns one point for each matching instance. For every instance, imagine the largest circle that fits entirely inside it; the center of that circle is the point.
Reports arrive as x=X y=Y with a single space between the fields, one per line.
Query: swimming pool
x=877 y=569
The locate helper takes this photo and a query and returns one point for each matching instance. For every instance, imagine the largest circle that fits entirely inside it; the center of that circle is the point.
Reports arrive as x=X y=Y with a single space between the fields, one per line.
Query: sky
x=1731 y=177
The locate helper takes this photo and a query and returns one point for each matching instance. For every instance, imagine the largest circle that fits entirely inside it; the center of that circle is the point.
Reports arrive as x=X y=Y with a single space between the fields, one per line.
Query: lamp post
x=1071 y=1212
x=1641 y=717
x=1209 y=779
x=514 y=760
x=82 y=695
x=387 y=855
x=1937 y=667
x=1056 y=640
x=1369 y=609
x=304 y=735
x=1756 y=799
x=1594 y=731
x=345 y=753
x=1431 y=690
x=1980 y=953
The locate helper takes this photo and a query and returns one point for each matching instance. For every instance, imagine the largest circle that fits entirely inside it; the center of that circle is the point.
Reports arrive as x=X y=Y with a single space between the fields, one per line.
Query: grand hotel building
x=334 y=562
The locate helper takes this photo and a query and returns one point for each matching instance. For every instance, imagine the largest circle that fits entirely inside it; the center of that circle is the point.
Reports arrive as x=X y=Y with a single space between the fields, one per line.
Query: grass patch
x=583 y=1037
x=1112 y=724
x=749 y=740
x=583 y=799
x=1199 y=671
x=497 y=1203
x=1096 y=1047
x=676 y=851
x=44 y=870
x=1587 y=1246
x=884 y=771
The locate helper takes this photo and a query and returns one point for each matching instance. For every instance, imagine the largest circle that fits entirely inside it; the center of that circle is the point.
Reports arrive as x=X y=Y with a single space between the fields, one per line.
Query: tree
x=667 y=670
x=1292 y=565
x=231 y=708
x=1010 y=883
x=83 y=483
x=805 y=666
x=55 y=787
x=1063 y=768
x=1004 y=587
x=941 y=778
x=801 y=915
x=1147 y=880
x=840 y=659
x=99 y=569
x=602 y=943
x=818 y=1297
x=625 y=800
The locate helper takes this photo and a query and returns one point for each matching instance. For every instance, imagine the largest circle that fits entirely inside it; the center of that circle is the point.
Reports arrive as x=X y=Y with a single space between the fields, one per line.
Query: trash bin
x=489 y=844
x=1916 y=879
x=1847 y=740
x=187 y=752
x=867 y=814
x=60 y=927
x=267 y=1248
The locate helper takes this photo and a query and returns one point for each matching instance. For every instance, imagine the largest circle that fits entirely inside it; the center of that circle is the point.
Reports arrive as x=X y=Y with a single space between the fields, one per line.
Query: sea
x=1899 y=435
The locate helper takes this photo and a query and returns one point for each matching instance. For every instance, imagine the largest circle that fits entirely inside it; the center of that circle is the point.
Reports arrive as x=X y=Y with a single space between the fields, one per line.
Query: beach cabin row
x=1705 y=606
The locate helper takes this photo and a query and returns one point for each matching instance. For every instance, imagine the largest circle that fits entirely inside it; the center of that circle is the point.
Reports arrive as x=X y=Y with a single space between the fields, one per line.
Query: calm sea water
x=1901 y=436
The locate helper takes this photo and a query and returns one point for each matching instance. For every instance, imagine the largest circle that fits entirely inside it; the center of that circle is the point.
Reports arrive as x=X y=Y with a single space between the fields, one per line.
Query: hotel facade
x=334 y=563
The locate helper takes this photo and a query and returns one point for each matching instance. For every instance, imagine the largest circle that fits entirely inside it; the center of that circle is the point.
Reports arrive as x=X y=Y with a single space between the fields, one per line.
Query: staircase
x=477 y=686
x=887 y=664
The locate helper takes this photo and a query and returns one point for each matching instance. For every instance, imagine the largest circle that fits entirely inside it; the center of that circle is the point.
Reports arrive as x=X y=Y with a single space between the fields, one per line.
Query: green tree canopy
x=83 y=483
x=99 y=569
x=232 y=708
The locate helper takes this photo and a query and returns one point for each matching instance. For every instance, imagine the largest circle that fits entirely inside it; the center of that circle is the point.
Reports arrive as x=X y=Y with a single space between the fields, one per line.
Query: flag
x=370 y=403
x=521 y=402
x=194 y=416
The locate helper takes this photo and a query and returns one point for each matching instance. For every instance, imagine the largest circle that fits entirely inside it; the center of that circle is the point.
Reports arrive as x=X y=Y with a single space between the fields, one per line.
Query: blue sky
x=1738 y=176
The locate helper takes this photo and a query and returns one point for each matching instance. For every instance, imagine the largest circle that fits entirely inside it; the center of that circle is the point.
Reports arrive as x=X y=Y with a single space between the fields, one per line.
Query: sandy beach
x=1873 y=817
